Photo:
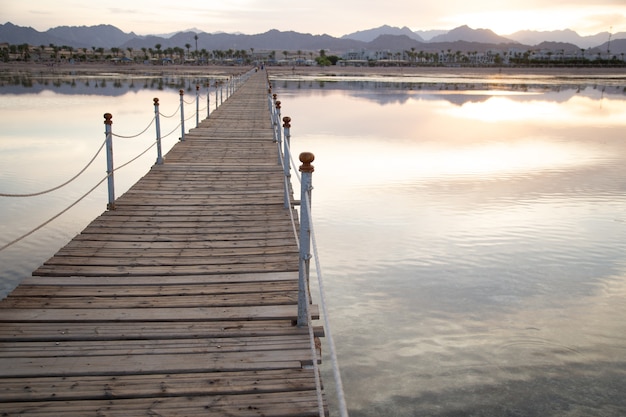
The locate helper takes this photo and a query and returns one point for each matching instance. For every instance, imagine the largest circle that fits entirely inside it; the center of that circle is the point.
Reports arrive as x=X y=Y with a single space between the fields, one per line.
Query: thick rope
x=172 y=132
x=190 y=117
x=62 y=185
x=343 y=408
x=135 y=158
x=286 y=181
x=138 y=134
x=316 y=370
x=76 y=202
x=169 y=117
x=53 y=217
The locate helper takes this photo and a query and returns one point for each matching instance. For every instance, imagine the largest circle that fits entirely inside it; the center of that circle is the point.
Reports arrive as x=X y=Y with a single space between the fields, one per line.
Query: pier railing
x=220 y=89
x=307 y=244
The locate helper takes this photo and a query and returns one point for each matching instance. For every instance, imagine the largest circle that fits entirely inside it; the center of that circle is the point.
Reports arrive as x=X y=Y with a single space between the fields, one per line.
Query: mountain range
x=384 y=37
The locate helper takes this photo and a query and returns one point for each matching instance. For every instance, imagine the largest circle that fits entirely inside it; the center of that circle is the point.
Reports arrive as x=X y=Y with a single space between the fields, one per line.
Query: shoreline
x=141 y=69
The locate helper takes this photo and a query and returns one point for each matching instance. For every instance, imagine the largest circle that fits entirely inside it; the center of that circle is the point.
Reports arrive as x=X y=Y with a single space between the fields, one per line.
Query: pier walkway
x=181 y=301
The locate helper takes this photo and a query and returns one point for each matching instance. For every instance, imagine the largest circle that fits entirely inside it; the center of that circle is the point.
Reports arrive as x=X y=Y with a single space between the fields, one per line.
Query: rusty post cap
x=197 y=87
x=306 y=158
x=287 y=121
x=182 y=92
x=278 y=104
x=274 y=96
x=107 y=118
x=156 y=101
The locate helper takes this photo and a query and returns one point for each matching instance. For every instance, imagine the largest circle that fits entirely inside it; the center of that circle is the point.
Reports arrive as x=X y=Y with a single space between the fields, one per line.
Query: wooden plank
x=290 y=404
x=94 y=302
x=156 y=385
x=155 y=290
x=204 y=314
x=162 y=281
x=59 y=332
x=153 y=346
x=172 y=270
x=157 y=363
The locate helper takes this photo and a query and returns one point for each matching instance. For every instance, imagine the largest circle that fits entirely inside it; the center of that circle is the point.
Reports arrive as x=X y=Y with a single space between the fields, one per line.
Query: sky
x=332 y=17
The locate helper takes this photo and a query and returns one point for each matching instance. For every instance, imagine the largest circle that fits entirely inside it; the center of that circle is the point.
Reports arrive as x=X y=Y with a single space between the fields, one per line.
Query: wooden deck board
x=181 y=301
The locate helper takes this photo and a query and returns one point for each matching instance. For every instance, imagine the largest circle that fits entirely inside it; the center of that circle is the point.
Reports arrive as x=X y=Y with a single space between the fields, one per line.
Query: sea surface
x=471 y=229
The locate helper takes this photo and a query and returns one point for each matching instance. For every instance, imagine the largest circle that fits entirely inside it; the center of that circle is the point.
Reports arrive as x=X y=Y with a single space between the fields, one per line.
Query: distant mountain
x=75 y=36
x=427 y=35
x=566 y=47
x=465 y=33
x=385 y=37
x=617 y=48
x=169 y=35
x=87 y=36
x=394 y=42
x=18 y=35
x=531 y=37
x=271 y=40
x=371 y=34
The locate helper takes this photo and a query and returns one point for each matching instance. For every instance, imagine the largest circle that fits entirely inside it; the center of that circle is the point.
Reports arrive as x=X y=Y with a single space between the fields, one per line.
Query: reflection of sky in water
x=473 y=241
x=474 y=249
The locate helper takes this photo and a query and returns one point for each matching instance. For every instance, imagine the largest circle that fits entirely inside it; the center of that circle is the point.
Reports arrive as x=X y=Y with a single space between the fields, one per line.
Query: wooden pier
x=181 y=301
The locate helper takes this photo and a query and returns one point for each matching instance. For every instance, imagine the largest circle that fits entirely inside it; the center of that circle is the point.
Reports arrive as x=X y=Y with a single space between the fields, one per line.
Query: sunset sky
x=332 y=17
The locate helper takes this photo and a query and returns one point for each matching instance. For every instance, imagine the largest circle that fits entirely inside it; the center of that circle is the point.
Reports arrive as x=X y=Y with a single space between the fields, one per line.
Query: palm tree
x=158 y=48
x=187 y=46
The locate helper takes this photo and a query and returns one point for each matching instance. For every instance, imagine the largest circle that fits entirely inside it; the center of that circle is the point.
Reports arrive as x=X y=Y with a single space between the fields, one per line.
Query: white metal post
x=109 y=145
x=286 y=162
x=305 y=235
x=157 y=122
x=182 y=115
x=208 y=100
x=197 y=105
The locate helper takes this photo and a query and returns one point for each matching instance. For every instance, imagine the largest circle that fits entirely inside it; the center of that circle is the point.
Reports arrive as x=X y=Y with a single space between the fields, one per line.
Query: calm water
x=472 y=232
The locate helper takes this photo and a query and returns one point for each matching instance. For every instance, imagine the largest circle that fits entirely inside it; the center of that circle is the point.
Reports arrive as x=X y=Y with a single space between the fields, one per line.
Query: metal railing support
x=157 y=122
x=182 y=115
x=216 y=94
x=197 y=105
x=286 y=156
x=305 y=235
x=276 y=126
x=208 y=100
x=108 y=131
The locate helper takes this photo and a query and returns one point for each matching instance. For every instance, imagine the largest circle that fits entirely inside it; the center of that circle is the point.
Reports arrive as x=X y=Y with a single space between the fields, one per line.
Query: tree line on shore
x=51 y=54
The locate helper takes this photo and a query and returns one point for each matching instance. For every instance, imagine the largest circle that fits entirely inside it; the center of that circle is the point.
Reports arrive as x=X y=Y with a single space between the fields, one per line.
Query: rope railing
x=136 y=135
x=110 y=170
x=304 y=241
x=61 y=185
x=53 y=217
x=169 y=117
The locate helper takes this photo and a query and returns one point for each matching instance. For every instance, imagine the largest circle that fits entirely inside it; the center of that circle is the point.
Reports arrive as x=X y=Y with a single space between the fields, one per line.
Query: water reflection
x=101 y=84
x=473 y=239
x=474 y=249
